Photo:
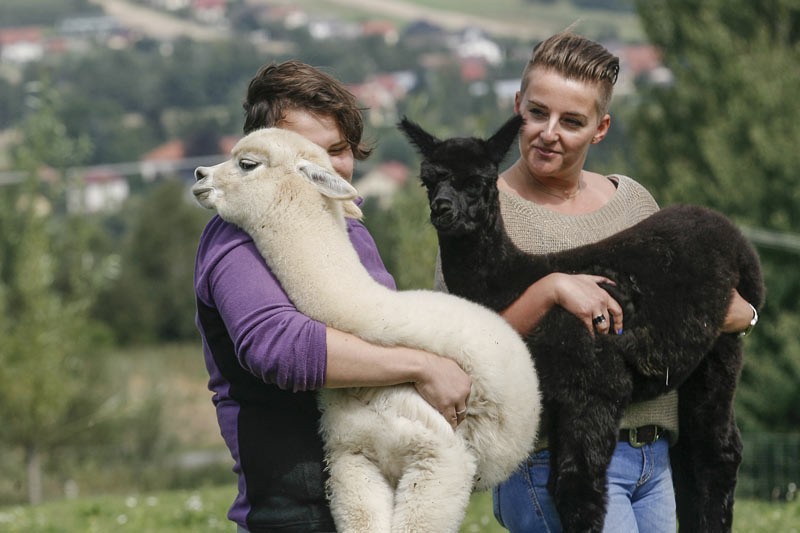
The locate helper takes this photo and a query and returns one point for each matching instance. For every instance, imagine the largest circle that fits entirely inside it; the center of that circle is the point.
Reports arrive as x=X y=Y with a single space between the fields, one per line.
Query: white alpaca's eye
x=248 y=164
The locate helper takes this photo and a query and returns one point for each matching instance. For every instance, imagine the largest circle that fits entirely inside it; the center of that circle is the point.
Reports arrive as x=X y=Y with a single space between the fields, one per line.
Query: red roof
x=641 y=58
x=28 y=34
x=169 y=151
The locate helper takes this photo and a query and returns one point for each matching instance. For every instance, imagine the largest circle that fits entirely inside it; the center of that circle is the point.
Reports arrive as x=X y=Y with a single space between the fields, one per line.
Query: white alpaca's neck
x=308 y=249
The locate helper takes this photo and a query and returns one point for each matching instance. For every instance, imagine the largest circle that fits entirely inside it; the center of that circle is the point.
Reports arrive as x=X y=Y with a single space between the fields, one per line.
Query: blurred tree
x=153 y=299
x=724 y=132
x=52 y=381
x=404 y=235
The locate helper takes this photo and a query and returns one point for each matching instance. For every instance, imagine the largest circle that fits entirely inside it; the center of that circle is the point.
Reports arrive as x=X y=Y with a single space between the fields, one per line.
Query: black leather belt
x=638 y=437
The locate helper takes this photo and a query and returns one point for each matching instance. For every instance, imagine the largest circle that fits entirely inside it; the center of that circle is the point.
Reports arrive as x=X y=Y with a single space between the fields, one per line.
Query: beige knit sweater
x=538 y=230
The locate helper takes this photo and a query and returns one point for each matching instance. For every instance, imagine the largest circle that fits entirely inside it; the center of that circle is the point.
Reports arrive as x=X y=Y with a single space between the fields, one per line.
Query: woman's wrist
x=753 y=322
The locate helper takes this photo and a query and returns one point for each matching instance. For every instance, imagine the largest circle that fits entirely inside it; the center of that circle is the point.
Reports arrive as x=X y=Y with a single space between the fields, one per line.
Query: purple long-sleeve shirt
x=264 y=359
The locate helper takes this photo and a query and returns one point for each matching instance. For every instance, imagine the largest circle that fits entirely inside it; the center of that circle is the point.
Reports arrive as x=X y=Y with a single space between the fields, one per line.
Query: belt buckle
x=633 y=438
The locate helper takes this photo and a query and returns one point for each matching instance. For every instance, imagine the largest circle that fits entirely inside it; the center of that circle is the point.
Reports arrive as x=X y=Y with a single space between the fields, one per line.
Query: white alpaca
x=395 y=463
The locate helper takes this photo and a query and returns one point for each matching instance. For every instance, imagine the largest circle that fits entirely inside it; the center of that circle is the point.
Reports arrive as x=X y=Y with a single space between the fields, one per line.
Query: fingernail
x=619 y=331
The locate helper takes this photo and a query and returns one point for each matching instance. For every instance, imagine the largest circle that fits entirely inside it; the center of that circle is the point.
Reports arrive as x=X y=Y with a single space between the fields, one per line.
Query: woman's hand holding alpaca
x=353 y=362
x=740 y=315
x=580 y=294
x=444 y=385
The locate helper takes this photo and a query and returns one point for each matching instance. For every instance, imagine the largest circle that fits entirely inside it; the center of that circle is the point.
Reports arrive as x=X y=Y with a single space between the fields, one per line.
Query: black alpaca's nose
x=441 y=205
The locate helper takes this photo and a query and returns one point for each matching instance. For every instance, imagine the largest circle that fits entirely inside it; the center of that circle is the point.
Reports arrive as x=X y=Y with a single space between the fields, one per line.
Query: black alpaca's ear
x=500 y=142
x=424 y=141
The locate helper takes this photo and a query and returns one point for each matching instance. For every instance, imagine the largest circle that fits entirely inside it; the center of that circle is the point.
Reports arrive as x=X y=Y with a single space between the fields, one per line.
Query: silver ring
x=599 y=319
x=459 y=413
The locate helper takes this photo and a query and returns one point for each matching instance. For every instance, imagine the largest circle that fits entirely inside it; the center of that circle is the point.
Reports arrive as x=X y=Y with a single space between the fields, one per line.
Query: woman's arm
x=580 y=294
x=353 y=362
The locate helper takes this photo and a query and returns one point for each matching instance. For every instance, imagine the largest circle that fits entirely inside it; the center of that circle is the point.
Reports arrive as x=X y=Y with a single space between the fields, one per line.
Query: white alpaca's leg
x=433 y=494
x=360 y=497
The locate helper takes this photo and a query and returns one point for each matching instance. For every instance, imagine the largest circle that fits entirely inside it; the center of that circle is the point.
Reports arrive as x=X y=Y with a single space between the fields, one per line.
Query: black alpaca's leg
x=707 y=456
x=584 y=439
x=686 y=498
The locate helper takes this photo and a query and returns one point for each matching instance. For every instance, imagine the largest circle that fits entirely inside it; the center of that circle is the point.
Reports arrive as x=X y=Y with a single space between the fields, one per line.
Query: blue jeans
x=640 y=494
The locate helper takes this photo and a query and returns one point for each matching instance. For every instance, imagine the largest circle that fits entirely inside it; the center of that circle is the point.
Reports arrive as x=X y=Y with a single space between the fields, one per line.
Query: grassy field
x=188 y=419
x=204 y=510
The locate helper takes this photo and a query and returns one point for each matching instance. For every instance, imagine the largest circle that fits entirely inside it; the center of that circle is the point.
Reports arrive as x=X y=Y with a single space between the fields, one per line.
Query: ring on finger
x=599 y=319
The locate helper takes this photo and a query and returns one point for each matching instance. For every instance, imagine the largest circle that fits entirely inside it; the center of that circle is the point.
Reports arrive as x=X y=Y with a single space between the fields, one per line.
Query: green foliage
x=53 y=380
x=52 y=374
x=156 y=408
x=443 y=100
x=123 y=100
x=43 y=12
x=405 y=236
x=153 y=298
x=723 y=134
x=44 y=136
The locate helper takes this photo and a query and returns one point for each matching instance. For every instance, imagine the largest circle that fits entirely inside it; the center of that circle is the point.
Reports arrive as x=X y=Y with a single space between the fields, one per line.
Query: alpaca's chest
x=391 y=426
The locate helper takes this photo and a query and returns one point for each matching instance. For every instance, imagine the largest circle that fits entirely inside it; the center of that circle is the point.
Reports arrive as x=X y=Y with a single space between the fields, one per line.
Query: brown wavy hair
x=292 y=85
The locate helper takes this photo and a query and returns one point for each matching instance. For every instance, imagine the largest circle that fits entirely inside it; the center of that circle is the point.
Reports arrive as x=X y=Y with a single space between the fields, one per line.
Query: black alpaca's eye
x=248 y=164
x=472 y=186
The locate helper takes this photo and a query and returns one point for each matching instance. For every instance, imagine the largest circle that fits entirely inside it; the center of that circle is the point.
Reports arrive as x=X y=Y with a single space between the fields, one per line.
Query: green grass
x=204 y=510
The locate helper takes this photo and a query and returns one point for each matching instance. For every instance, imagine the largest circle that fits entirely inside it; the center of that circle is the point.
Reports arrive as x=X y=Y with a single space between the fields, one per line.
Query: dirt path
x=157 y=24
x=161 y=25
x=452 y=20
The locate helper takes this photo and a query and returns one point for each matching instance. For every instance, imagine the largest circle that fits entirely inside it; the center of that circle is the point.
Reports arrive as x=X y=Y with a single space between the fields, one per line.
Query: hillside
x=503 y=18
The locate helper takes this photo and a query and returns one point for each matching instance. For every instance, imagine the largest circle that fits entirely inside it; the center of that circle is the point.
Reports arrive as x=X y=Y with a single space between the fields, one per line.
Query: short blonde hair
x=578 y=58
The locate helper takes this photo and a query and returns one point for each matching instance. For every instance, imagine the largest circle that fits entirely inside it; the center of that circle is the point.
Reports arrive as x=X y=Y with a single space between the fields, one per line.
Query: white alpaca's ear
x=328 y=183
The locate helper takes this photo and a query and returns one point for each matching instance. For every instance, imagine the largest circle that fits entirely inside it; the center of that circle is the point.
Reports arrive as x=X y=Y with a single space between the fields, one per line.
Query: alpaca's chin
x=444 y=221
x=452 y=228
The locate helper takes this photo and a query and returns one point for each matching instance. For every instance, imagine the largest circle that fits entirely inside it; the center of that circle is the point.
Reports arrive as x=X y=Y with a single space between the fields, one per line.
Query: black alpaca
x=674 y=275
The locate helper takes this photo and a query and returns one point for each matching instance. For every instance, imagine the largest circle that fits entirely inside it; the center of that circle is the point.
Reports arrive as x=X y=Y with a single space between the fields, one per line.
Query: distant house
x=381 y=28
x=473 y=43
x=382 y=182
x=473 y=69
x=422 y=34
x=506 y=91
x=102 y=189
x=210 y=11
x=640 y=62
x=173 y=158
x=22 y=45
x=380 y=94
x=645 y=62
x=322 y=29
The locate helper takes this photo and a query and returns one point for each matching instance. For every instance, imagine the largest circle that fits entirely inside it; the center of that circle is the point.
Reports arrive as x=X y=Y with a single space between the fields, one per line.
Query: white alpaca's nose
x=200 y=173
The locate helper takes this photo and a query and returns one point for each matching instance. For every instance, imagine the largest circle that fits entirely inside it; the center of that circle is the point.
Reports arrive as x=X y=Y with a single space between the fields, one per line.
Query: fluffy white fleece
x=395 y=463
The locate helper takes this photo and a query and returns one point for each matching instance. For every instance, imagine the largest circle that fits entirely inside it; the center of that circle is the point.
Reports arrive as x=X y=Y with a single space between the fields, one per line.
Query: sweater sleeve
x=271 y=338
